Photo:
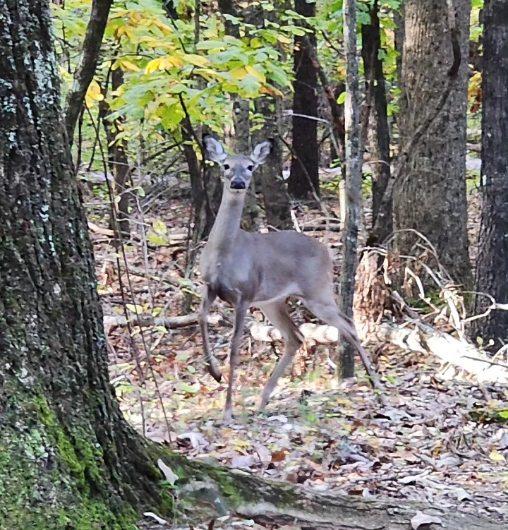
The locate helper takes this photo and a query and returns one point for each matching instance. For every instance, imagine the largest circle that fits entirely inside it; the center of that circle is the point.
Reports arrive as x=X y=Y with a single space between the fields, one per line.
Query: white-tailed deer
x=263 y=270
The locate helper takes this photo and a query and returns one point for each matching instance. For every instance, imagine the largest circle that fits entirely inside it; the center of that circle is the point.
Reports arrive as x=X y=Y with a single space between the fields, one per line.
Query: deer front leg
x=240 y=312
x=211 y=362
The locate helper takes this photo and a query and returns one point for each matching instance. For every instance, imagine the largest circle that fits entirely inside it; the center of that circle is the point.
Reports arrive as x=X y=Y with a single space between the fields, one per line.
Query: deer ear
x=214 y=149
x=261 y=151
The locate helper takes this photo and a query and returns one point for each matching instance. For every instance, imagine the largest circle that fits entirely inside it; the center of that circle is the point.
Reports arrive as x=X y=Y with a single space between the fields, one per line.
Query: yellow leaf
x=256 y=73
x=134 y=308
x=208 y=73
x=124 y=30
x=283 y=39
x=159 y=227
x=163 y=27
x=196 y=60
x=126 y=65
x=153 y=65
x=268 y=89
x=239 y=73
x=93 y=94
x=157 y=240
x=240 y=445
x=162 y=63
x=496 y=456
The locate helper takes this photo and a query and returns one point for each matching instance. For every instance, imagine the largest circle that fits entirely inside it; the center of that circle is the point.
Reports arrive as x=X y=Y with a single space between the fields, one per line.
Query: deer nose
x=237 y=184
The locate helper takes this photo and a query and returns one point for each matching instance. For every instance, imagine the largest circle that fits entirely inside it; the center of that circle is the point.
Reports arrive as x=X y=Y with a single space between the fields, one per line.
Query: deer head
x=237 y=169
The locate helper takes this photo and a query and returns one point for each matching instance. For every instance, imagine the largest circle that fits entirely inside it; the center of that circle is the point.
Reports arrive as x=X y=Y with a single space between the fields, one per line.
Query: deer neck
x=227 y=223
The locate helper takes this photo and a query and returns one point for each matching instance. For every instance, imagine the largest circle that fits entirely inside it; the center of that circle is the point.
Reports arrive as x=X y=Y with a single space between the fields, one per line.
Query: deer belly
x=278 y=293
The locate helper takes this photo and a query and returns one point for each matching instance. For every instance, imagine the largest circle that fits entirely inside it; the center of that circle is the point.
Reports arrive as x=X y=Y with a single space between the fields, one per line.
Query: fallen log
x=113 y=321
x=416 y=336
x=321 y=334
x=422 y=338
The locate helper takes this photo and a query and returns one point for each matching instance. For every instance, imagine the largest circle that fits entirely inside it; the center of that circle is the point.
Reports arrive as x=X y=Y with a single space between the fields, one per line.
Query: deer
x=262 y=270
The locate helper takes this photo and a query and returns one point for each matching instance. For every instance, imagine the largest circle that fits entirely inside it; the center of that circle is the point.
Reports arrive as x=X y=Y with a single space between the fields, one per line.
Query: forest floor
x=425 y=444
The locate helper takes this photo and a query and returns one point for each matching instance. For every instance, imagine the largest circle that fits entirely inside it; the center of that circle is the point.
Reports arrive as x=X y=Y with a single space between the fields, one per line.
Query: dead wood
x=113 y=321
x=420 y=337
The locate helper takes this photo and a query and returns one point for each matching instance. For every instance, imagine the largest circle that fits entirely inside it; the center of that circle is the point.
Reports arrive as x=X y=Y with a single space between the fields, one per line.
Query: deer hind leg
x=212 y=364
x=278 y=315
x=324 y=307
x=240 y=312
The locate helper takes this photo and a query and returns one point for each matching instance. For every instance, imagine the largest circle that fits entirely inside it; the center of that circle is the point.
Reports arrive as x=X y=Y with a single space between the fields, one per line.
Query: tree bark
x=354 y=157
x=275 y=196
x=303 y=182
x=118 y=163
x=88 y=63
x=492 y=264
x=67 y=456
x=430 y=191
x=378 y=134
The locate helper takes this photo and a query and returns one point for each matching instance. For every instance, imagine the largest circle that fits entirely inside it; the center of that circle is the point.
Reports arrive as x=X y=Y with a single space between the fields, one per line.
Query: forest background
x=389 y=128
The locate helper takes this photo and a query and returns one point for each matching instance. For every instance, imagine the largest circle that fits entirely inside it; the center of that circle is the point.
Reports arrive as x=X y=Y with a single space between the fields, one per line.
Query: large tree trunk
x=67 y=456
x=378 y=133
x=492 y=265
x=430 y=191
x=303 y=182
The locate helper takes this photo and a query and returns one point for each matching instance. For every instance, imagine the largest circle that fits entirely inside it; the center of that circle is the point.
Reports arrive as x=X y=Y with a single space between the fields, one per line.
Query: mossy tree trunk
x=67 y=457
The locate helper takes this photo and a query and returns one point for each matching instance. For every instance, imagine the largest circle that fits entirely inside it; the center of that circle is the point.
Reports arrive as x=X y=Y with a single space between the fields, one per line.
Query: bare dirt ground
x=426 y=444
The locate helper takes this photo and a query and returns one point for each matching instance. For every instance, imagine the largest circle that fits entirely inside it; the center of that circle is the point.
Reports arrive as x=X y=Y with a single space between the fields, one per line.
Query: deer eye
x=226 y=166
x=250 y=168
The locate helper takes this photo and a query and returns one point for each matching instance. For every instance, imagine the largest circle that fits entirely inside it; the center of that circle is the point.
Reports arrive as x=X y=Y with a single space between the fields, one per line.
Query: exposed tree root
x=208 y=491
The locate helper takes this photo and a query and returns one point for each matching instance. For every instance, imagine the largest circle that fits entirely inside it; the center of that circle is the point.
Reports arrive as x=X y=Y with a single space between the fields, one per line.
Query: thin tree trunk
x=398 y=18
x=378 y=134
x=118 y=163
x=303 y=182
x=241 y=112
x=492 y=264
x=353 y=180
x=204 y=181
x=87 y=64
x=430 y=195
